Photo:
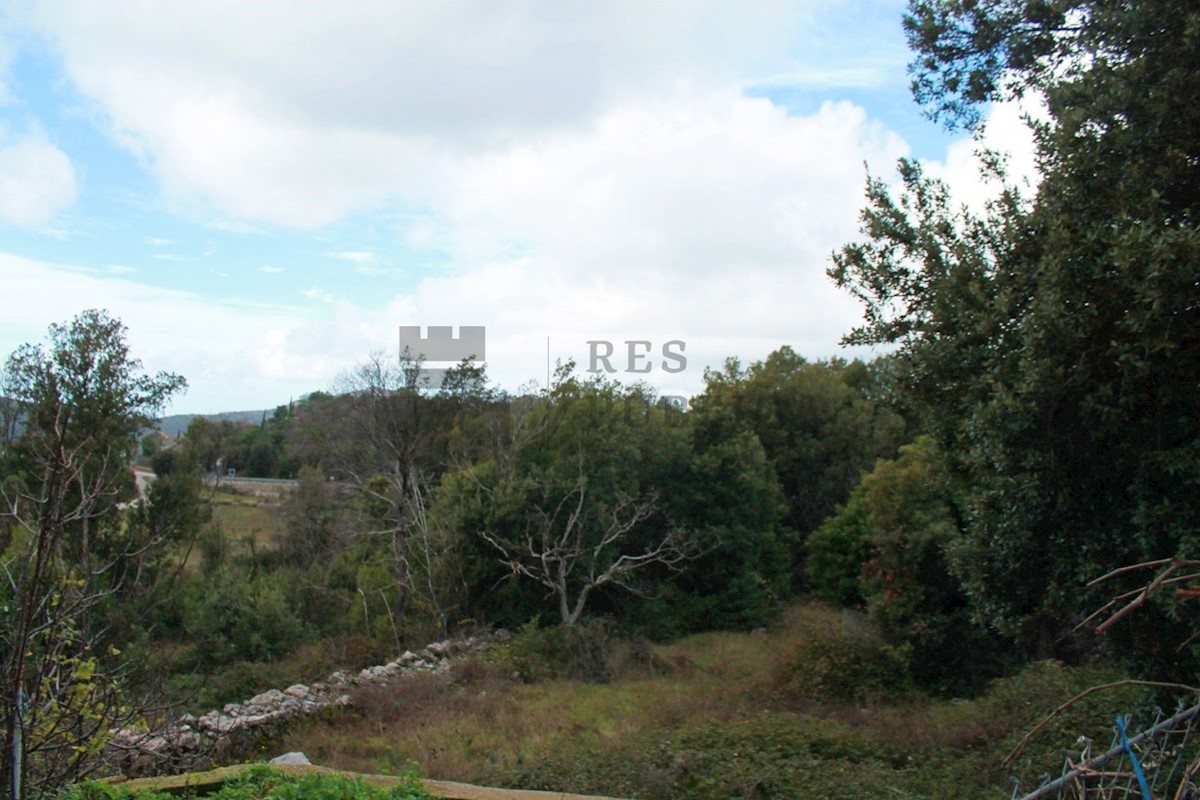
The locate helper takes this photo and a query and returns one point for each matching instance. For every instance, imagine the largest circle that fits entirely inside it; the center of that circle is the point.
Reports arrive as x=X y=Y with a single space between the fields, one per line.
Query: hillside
x=177 y=424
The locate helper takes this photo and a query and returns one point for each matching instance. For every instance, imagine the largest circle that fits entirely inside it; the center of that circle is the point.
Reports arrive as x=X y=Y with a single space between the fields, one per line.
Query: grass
x=257 y=782
x=243 y=518
x=707 y=721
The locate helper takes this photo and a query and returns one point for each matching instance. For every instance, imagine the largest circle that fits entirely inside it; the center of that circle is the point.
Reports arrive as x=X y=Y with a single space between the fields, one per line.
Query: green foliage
x=621 y=458
x=1050 y=341
x=950 y=749
x=912 y=750
x=771 y=756
x=579 y=485
x=71 y=554
x=829 y=663
x=310 y=518
x=710 y=726
x=232 y=617
x=837 y=552
x=582 y=652
x=888 y=546
x=253 y=451
x=730 y=493
x=96 y=790
x=819 y=424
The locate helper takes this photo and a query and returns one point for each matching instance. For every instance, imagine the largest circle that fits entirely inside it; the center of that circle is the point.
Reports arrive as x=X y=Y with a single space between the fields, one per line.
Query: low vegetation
x=714 y=715
x=265 y=783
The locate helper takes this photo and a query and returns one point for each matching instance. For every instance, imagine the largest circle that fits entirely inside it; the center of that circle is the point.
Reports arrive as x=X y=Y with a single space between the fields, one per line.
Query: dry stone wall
x=191 y=742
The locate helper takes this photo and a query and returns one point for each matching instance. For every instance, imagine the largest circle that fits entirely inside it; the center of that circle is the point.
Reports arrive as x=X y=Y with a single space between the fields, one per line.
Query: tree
x=888 y=548
x=573 y=547
x=727 y=493
x=1054 y=340
x=390 y=436
x=82 y=401
x=572 y=504
x=309 y=519
x=821 y=424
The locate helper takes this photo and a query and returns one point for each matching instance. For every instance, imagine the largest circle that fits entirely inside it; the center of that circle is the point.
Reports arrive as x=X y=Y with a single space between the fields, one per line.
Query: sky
x=265 y=192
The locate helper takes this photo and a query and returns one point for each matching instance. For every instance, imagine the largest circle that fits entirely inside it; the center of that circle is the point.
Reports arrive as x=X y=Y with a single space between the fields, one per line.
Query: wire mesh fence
x=1154 y=758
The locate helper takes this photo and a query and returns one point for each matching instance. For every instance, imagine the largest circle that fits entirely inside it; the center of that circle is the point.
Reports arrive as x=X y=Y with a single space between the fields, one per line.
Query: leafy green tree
x=149 y=552
x=888 y=546
x=586 y=520
x=596 y=475
x=310 y=518
x=838 y=550
x=821 y=424
x=729 y=494
x=83 y=401
x=230 y=617
x=390 y=438
x=1052 y=341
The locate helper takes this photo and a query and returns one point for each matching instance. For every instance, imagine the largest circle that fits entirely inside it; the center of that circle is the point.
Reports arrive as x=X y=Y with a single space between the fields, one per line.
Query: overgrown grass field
x=713 y=716
x=244 y=518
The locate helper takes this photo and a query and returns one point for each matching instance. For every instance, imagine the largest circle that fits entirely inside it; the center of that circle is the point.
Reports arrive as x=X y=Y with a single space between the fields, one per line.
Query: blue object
x=1137 y=767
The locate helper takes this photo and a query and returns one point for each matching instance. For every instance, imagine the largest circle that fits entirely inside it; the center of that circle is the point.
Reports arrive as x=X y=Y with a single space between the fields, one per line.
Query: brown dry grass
x=477 y=724
x=702 y=701
x=242 y=519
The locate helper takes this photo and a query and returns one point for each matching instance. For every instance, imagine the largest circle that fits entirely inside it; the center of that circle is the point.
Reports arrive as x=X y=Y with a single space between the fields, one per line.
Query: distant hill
x=177 y=424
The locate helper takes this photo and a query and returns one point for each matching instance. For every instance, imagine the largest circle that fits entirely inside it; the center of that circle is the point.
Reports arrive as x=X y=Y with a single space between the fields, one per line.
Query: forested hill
x=177 y=424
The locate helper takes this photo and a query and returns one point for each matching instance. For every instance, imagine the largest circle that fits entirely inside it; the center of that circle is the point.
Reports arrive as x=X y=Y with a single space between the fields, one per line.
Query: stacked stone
x=190 y=738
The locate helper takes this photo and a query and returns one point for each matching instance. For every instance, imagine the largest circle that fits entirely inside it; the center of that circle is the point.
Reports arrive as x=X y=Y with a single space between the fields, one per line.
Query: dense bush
x=833 y=664
x=890 y=545
x=583 y=652
x=837 y=551
x=233 y=617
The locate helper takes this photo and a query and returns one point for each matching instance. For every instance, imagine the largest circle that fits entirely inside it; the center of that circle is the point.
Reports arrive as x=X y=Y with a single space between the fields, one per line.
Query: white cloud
x=301 y=115
x=270 y=270
x=1005 y=132
x=37 y=180
x=223 y=349
x=707 y=184
x=354 y=256
x=707 y=218
x=317 y=293
x=825 y=77
x=576 y=171
x=366 y=262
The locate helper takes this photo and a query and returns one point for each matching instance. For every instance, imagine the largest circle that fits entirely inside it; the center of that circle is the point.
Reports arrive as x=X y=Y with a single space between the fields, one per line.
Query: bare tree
x=375 y=437
x=582 y=544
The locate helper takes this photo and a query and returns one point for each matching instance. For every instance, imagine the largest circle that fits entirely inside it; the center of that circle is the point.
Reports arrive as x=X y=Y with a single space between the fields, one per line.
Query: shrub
x=837 y=551
x=240 y=619
x=832 y=664
x=581 y=652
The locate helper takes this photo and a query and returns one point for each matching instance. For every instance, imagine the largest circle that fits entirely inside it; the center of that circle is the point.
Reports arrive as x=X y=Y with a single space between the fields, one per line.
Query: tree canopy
x=83 y=400
x=1053 y=341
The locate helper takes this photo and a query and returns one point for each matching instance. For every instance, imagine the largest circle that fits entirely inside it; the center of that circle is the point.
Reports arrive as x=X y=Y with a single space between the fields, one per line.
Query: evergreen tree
x=1054 y=342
